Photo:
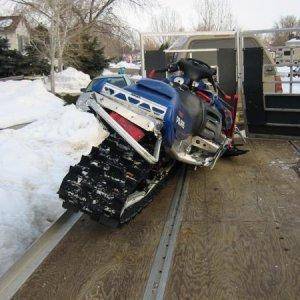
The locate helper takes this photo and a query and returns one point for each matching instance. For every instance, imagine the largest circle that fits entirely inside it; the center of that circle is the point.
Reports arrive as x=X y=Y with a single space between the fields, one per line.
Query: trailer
x=229 y=233
x=245 y=68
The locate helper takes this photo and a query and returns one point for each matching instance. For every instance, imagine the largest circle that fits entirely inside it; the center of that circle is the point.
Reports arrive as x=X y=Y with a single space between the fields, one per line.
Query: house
x=290 y=53
x=16 y=30
x=295 y=42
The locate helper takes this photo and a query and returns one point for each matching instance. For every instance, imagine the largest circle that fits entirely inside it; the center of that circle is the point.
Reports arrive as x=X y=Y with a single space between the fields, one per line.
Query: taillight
x=278 y=85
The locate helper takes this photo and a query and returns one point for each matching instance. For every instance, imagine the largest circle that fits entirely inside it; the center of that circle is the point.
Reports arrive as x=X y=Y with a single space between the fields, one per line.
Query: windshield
x=96 y=84
x=90 y=86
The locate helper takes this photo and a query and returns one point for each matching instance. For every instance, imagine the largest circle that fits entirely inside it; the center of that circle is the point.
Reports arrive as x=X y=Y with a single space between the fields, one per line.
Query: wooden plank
x=296 y=144
x=279 y=181
x=235 y=260
x=240 y=233
x=253 y=187
x=96 y=262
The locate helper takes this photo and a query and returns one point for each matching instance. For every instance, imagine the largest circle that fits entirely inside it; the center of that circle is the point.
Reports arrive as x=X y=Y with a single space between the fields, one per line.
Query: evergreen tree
x=86 y=55
x=3 y=55
x=10 y=60
x=13 y=62
x=33 y=63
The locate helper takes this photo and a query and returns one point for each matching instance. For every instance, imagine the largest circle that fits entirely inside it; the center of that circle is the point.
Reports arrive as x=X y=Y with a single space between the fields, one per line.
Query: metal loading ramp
x=233 y=235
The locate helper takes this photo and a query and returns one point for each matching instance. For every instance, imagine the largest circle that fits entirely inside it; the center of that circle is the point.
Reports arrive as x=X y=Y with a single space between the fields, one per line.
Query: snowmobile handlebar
x=195 y=69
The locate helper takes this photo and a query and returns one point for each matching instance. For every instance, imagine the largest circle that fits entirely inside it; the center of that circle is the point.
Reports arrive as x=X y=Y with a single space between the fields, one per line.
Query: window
x=20 y=43
x=287 y=53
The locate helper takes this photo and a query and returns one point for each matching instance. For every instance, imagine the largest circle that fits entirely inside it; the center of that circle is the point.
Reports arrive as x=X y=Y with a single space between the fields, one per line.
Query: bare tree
x=288 y=21
x=57 y=17
x=93 y=11
x=166 y=21
x=151 y=43
x=213 y=15
x=66 y=19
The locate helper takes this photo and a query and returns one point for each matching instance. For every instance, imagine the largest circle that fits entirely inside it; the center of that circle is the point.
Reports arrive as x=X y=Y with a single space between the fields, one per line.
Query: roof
x=293 y=42
x=10 y=23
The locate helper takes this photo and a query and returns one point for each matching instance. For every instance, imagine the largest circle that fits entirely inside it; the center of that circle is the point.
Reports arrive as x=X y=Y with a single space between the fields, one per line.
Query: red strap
x=152 y=74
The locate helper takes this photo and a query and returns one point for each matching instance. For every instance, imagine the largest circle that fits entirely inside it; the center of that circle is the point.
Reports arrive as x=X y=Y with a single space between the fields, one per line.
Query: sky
x=249 y=14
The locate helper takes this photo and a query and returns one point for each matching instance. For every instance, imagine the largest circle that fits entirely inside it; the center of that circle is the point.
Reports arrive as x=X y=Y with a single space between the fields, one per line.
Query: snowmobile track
x=102 y=181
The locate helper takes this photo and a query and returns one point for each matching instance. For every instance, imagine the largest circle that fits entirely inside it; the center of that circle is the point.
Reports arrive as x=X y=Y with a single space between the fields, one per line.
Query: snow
x=107 y=72
x=6 y=23
x=283 y=72
x=33 y=162
x=286 y=86
x=124 y=64
x=25 y=101
x=69 y=81
x=293 y=42
x=135 y=78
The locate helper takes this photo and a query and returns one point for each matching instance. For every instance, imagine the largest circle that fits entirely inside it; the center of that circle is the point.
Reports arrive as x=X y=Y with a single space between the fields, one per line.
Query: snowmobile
x=152 y=124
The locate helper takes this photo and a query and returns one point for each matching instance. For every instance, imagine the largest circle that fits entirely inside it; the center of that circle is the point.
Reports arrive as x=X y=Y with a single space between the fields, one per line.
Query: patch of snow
x=69 y=81
x=25 y=101
x=124 y=64
x=279 y=163
x=6 y=23
x=283 y=71
x=286 y=86
x=136 y=77
x=33 y=162
x=107 y=72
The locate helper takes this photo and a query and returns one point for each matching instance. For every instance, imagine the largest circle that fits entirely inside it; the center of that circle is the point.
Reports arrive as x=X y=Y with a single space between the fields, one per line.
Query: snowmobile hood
x=155 y=90
x=163 y=94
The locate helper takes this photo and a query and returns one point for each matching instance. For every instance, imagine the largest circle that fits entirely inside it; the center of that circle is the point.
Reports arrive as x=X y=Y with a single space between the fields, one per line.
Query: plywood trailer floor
x=238 y=239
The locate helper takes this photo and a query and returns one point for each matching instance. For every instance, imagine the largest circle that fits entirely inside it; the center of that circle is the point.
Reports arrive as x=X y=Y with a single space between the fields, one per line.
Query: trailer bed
x=238 y=239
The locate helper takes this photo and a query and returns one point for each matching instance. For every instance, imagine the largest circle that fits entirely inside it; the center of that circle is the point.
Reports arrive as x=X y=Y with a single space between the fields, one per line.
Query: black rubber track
x=102 y=181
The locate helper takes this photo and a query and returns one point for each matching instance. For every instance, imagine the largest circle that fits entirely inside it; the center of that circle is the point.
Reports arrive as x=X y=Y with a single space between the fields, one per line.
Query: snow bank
x=33 y=162
x=69 y=81
x=124 y=64
x=25 y=101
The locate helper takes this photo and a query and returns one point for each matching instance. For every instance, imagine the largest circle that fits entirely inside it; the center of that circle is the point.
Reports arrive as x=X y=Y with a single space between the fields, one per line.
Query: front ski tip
x=235 y=151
